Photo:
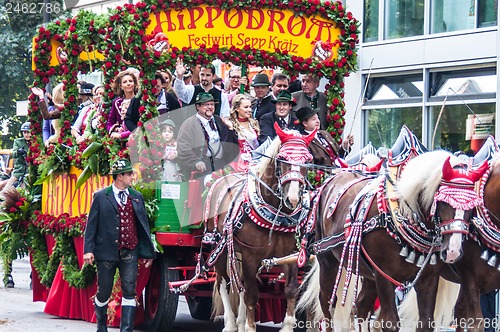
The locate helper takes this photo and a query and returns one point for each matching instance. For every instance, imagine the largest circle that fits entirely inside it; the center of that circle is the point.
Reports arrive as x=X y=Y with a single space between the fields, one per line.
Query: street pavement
x=18 y=313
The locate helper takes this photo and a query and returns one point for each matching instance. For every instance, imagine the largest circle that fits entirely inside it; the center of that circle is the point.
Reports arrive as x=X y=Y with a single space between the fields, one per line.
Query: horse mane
x=271 y=151
x=495 y=160
x=420 y=180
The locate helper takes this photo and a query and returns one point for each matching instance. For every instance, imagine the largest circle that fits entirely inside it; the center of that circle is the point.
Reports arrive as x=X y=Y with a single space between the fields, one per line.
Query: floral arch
x=300 y=36
x=323 y=31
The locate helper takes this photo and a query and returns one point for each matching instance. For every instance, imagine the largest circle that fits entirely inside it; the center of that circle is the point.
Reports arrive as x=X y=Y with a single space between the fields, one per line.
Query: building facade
x=427 y=64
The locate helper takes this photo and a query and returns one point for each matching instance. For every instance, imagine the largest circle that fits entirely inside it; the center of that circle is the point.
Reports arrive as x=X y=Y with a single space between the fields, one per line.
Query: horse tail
x=342 y=314
x=408 y=310
x=446 y=298
x=309 y=298
x=217 y=306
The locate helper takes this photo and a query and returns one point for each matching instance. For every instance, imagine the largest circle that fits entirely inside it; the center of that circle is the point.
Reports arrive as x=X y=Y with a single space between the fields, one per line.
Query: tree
x=18 y=23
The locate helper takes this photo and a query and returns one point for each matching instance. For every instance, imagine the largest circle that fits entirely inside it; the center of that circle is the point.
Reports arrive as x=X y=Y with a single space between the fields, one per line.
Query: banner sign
x=263 y=29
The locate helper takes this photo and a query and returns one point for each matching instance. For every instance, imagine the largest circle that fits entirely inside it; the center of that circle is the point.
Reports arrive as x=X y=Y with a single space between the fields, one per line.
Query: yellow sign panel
x=263 y=29
x=60 y=196
x=58 y=55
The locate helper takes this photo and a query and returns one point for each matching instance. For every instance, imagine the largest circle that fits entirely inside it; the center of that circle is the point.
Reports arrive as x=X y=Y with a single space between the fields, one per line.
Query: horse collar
x=267 y=216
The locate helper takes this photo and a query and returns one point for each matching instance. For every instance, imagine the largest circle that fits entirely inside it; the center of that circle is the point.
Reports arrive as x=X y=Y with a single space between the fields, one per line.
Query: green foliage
x=17 y=29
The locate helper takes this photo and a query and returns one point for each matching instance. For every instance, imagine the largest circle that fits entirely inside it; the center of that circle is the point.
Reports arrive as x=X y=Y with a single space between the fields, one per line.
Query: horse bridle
x=290 y=175
x=455 y=225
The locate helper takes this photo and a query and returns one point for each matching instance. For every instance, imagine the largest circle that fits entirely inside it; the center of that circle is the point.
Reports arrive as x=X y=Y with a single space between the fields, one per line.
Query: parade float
x=299 y=37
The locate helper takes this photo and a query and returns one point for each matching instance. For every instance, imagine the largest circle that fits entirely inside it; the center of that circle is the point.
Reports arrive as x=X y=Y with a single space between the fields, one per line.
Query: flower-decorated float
x=305 y=36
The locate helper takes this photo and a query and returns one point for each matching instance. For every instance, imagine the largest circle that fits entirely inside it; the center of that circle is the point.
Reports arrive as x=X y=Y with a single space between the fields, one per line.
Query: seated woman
x=323 y=148
x=246 y=128
x=125 y=86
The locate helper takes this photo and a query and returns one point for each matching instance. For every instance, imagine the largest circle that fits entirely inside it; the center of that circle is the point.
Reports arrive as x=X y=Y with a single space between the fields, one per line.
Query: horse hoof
x=230 y=329
x=10 y=282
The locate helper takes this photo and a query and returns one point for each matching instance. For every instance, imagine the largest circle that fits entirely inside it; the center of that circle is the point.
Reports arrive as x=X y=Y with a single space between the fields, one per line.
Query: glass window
x=453 y=15
x=384 y=124
x=467 y=82
x=460 y=130
x=397 y=88
x=487 y=12
x=405 y=18
x=370 y=22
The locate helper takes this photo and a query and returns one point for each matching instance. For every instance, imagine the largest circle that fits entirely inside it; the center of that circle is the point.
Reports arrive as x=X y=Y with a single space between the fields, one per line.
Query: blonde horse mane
x=495 y=160
x=420 y=180
x=271 y=151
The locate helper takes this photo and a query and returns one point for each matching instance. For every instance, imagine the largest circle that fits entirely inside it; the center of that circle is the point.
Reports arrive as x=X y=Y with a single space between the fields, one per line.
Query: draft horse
x=256 y=218
x=358 y=229
x=478 y=269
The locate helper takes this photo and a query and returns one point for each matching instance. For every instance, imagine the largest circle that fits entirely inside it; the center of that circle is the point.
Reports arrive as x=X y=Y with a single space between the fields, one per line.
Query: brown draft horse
x=477 y=270
x=373 y=240
x=255 y=219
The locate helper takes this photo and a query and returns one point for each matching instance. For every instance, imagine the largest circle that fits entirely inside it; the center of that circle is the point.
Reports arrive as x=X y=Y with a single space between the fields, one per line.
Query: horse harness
x=483 y=230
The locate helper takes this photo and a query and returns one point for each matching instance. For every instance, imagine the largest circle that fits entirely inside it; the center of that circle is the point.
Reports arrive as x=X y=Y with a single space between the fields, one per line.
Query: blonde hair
x=58 y=93
x=116 y=86
x=233 y=116
x=168 y=87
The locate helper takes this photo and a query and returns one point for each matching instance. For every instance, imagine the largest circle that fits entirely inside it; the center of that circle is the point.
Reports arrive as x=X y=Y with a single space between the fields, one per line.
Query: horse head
x=456 y=201
x=289 y=165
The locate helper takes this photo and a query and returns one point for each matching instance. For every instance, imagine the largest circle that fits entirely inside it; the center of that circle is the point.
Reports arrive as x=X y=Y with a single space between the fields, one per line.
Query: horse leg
x=291 y=287
x=249 y=272
x=461 y=311
x=229 y=318
x=470 y=296
x=388 y=313
x=242 y=313
x=426 y=289
x=365 y=302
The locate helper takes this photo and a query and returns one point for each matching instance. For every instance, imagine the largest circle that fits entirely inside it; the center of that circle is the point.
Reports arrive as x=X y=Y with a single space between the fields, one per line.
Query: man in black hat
x=283 y=115
x=187 y=93
x=205 y=143
x=116 y=236
x=262 y=103
x=323 y=148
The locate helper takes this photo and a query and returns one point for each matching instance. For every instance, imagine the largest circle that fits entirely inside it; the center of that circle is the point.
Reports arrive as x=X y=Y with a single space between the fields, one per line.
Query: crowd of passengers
x=225 y=124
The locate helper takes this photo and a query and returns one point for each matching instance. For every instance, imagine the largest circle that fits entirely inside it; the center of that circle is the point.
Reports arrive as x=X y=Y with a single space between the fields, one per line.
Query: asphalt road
x=18 y=313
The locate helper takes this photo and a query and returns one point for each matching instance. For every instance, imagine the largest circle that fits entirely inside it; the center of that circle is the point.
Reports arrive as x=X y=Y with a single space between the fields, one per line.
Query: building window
x=399 y=89
x=370 y=21
x=404 y=18
x=453 y=15
x=459 y=129
x=468 y=116
x=487 y=13
x=384 y=124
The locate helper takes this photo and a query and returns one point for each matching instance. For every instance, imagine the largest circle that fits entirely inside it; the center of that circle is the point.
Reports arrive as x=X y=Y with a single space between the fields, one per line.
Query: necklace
x=242 y=119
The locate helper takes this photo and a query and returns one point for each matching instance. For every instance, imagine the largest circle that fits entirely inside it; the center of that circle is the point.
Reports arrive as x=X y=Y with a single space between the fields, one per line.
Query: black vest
x=216 y=93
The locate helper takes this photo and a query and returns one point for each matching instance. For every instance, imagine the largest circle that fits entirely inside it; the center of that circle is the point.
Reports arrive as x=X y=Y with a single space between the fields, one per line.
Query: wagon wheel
x=161 y=303
x=200 y=307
